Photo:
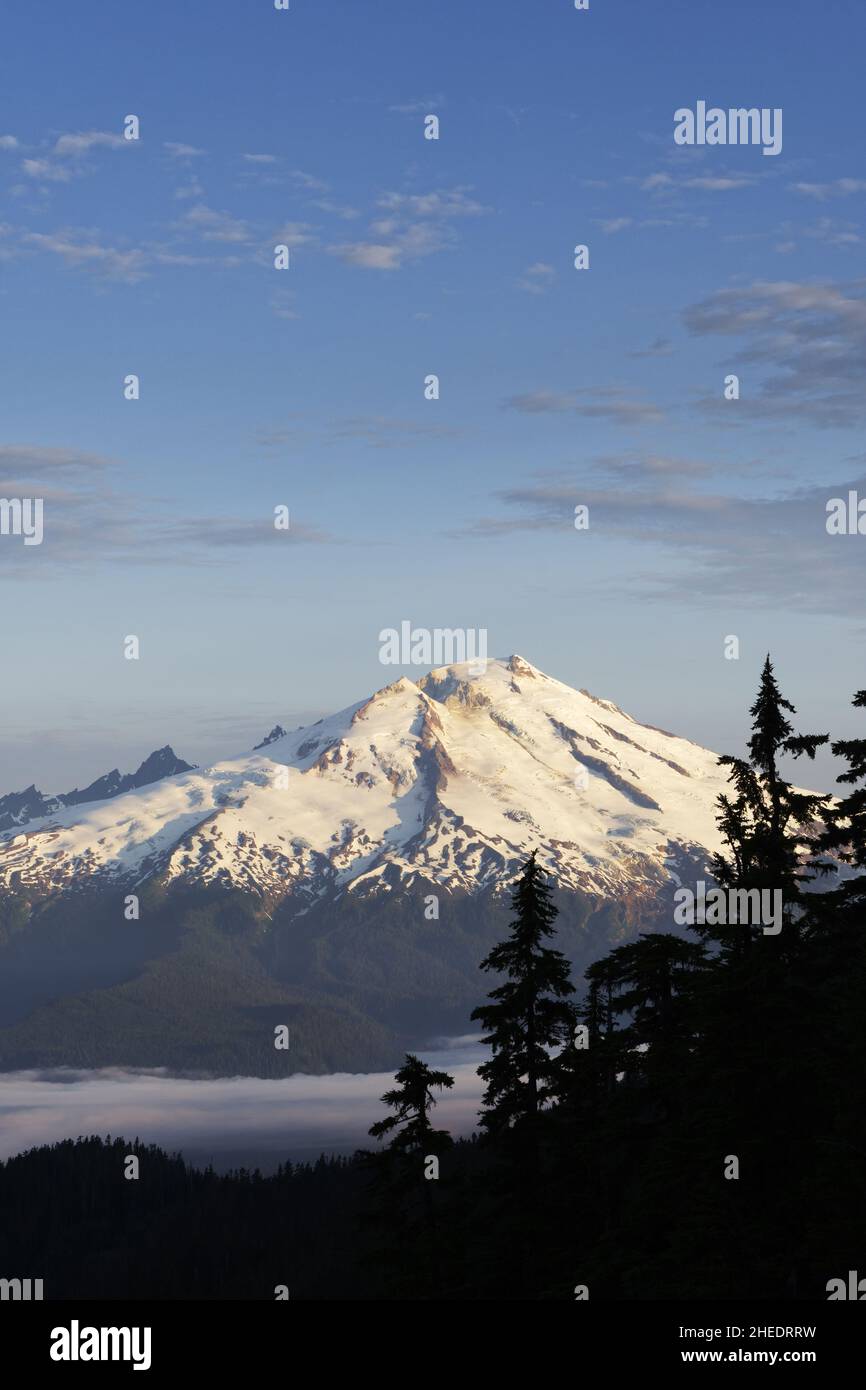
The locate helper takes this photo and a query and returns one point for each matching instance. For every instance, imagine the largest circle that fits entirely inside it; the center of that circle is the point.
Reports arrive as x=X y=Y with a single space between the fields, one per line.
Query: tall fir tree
x=528 y=1013
x=766 y=824
x=753 y=1059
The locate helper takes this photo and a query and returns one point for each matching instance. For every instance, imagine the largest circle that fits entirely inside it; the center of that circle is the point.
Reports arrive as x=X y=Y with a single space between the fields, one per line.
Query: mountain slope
x=18 y=808
x=292 y=884
x=455 y=778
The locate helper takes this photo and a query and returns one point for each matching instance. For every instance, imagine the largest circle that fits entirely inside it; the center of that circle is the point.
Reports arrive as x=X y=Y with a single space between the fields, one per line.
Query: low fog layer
x=228 y=1120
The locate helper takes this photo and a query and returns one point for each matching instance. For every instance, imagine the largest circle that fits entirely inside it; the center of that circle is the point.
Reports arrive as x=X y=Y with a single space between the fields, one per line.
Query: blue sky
x=409 y=257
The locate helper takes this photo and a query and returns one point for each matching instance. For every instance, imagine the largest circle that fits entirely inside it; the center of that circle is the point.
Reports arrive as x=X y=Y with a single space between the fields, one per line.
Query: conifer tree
x=412 y=1242
x=527 y=1014
x=588 y=1063
x=650 y=981
x=765 y=824
x=845 y=832
x=835 y=960
x=412 y=1100
x=655 y=975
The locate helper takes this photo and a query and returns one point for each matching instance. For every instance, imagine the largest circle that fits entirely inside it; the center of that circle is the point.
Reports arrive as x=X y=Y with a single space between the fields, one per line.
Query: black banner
x=161 y=1339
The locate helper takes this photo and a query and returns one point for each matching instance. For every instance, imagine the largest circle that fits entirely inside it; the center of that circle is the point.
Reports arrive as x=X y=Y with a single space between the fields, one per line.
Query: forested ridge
x=200 y=984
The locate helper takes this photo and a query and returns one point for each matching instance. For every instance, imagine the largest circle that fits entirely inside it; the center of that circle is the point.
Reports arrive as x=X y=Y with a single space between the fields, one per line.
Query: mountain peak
x=19 y=808
x=519 y=666
x=454 y=777
x=277 y=732
x=400 y=688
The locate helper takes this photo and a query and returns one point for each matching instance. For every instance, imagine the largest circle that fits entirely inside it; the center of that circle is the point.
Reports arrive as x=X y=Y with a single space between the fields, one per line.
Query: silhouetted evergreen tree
x=527 y=1019
x=844 y=836
x=411 y=1245
x=412 y=1100
x=766 y=823
x=835 y=966
x=753 y=1066
x=587 y=1065
x=526 y=1016
x=655 y=976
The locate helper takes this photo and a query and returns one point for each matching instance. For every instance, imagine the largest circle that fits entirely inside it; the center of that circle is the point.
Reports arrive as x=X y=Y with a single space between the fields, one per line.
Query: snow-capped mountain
x=453 y=778
x=17 y=808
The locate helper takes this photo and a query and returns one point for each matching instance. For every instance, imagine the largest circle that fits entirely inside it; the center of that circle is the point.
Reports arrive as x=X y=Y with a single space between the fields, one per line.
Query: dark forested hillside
x=200 y=981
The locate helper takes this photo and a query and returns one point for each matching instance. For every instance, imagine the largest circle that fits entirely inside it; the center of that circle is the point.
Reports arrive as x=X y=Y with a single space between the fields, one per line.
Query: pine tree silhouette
x=413 y=1245
x=766 y=824
x=588 y=1064
x=412 y=1100
x=527 y=1014
x=655 y=977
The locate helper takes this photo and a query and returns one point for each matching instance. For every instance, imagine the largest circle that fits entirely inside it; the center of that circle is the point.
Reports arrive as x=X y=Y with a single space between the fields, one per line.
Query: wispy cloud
x=82 y=250
x=659 y=347
x=371 y=255
x=652 y=182
x=309 y=181
x=178 y=151
x=413 y=226
x=44 y=169
x=193 y=189
x=90 y=521
x=422 y=106
x=67 y=158
x=663 y=184
x=537 y=278
x=706 y=546
x=342 y=210
x=642 y=466
x=666 y=217
x=294 y=234
x=839 y=188
x=388 y=432
x=833 y=232
x=28 y=462
x=375 y=431
x=718 y=183
x=216 y=532
x=84 y=141
x=809 y=338
x=447 y=203
x=216 y=226
x=605 y=403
